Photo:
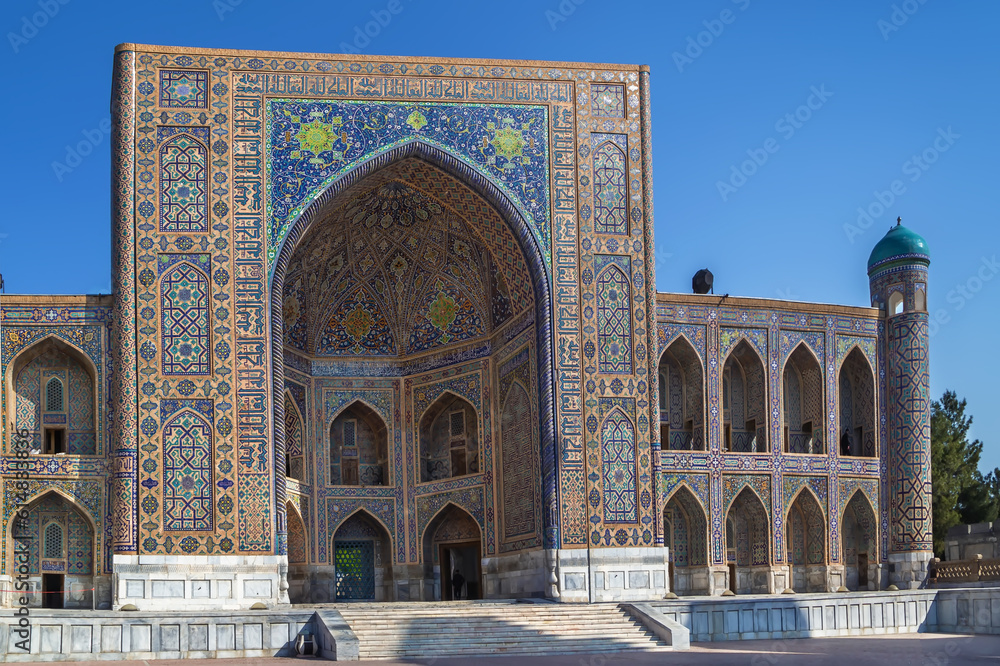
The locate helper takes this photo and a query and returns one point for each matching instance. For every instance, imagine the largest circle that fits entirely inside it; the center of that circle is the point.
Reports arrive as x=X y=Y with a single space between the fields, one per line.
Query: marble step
x=524 y=635
x=484 y=648
x=442 y=630
x=547 y=649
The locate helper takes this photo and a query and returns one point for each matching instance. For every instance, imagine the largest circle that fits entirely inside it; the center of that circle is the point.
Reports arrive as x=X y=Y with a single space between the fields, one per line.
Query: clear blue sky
x=889 y=91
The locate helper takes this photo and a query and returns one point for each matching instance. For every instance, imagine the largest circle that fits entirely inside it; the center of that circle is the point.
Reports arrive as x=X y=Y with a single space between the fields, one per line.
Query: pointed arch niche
x=60 y=540
x=359 y=447
x=857 y=406
x=298 y=556
x=744 y=401
x=802 y=399
x=53 y=395
x=449 y=439
x=362 y=554
x=748 y=544
x=682 y=402
x=685 y=533
x=805 y=526
x=452 y=542
x=859 y=542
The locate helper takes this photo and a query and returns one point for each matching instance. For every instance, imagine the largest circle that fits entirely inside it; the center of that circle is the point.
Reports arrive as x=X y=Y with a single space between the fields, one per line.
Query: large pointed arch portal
x=469 y=181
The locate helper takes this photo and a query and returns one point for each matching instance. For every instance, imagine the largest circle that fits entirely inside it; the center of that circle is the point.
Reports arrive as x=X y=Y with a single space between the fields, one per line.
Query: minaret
x=897 y=274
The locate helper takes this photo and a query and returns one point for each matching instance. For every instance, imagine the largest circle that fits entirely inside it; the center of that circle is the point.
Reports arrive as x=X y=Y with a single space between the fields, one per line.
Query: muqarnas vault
x=380 y=320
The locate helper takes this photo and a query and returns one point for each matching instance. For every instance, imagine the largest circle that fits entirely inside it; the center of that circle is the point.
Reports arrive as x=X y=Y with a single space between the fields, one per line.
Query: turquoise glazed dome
x=900 y=244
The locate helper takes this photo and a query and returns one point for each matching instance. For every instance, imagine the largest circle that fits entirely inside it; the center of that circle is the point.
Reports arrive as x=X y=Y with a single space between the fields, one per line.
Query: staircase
x=455 y=629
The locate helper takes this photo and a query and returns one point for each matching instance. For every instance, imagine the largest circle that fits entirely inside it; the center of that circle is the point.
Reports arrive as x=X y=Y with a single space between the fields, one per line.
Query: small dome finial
x=899 y=221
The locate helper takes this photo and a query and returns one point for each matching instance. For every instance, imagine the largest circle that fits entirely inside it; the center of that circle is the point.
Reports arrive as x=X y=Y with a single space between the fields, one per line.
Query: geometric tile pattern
x=183 y=89
x=614 y=321
x=610 y=191
x=187 y=474
x=608 y=100
x=297 y=543
x=910 y=466
x=122 y=484
x=185 y=333
x=183 y=185
x=619 y=462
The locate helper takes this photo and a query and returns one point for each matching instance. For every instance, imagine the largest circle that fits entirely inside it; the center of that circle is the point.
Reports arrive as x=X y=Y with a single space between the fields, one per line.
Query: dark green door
x=355 y=562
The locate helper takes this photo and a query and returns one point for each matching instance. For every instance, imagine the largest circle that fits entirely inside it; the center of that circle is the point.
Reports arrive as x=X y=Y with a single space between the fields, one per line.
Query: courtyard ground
x=909 y=649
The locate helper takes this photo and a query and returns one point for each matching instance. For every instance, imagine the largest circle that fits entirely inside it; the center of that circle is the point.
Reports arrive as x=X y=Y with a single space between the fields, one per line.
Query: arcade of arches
x=408 y=336
x=754 y=558
x=748 y=545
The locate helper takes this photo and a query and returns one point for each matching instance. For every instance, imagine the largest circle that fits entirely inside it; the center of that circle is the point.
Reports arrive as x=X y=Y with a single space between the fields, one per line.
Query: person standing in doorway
x=457 y=582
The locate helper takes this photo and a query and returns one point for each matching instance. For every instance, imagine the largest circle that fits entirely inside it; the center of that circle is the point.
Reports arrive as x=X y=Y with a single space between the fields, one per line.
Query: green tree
x=962 y=494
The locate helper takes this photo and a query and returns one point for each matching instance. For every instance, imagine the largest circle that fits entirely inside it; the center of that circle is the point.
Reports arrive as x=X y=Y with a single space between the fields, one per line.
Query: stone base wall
x=612 y=574
x=809 y=578
x=845 y=614
x=515 y=575
x=803 y=616
x=692 y=580
x=90 y=635
x=168 y=582
x=908 y=571
x=80 y=592
x=317 y=584
x=59 y=636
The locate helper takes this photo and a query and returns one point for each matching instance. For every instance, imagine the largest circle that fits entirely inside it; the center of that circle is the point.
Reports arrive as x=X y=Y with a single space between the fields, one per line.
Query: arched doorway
x=682 y=404
x=747 y=544
x=806 y=543
x=59 y=538
x=362 y=551
x=744 y=401
x=685 y=531
x=802 y=384
x=859 y=532
x=453 y=543
x=857 y=406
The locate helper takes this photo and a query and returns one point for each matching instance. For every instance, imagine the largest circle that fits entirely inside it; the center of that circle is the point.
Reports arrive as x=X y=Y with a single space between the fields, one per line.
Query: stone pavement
x=909 y=649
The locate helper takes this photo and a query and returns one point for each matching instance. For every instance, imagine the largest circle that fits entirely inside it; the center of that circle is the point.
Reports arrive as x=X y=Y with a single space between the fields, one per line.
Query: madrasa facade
x=381 y=324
